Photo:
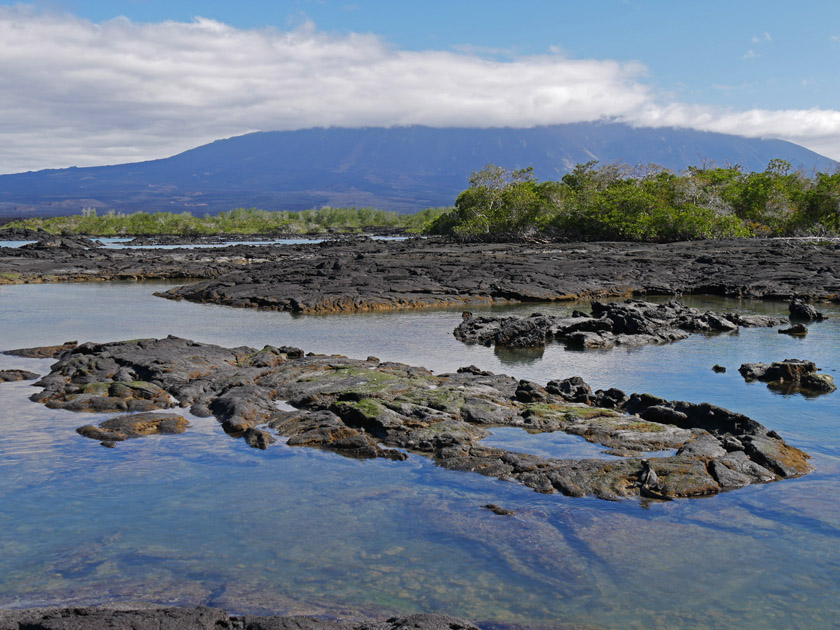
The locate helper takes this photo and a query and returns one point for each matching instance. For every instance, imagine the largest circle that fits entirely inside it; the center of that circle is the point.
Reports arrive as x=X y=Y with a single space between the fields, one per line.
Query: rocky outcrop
x=7 y=376
x=43 y=352
x=53 y=241
x=202 y=618
x=790 y=376
x=134 y=426
x=800 y=310
x=347 y=275
x=797 y=330
x=367 y=408
x=632 y=323
x=20 y=234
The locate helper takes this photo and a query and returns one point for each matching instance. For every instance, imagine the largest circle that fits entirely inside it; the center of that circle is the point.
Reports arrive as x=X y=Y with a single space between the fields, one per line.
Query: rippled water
x=202 y=518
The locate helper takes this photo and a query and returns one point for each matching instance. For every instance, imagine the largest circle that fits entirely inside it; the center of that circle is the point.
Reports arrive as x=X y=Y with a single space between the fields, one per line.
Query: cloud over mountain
x=82 y=93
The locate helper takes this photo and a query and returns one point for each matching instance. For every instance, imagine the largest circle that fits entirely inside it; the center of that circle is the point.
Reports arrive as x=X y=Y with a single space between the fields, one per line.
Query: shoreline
x=351 y=275
x=152 y=617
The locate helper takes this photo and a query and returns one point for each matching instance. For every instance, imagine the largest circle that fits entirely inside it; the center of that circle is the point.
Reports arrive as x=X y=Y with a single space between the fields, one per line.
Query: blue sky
x=743 y=54
x=757 y=68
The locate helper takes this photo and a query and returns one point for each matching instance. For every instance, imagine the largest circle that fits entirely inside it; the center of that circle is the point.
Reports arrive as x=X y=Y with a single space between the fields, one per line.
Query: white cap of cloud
x=75 y=92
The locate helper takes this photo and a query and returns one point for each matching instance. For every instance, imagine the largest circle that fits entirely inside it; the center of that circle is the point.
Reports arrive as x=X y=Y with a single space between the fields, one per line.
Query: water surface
x=202 y=518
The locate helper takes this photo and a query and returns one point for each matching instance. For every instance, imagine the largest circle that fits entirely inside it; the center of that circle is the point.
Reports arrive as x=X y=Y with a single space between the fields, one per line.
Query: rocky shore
x=367 y=408
x=632 y=323
x=352 y=275
x=202 y=618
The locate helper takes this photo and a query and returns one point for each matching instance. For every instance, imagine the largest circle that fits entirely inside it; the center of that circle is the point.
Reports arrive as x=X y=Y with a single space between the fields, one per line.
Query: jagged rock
x=611 y=398
x=815 y=382
x=7 y=376
x=632 y=323
x=775 y=455
x=736 y=469
x=573 y=389
x=719 y=369
x=372 y=409
x=53 y=241
x=801 y=310
x=789 y=376
x=432 y=272
x=529 y=392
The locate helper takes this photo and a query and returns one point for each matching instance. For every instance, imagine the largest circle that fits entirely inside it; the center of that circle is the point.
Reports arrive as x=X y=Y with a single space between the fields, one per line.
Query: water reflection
x=518 y=356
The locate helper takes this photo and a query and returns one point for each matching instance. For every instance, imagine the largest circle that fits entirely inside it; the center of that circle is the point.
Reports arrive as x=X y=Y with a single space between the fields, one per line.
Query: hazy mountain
x=402 y=168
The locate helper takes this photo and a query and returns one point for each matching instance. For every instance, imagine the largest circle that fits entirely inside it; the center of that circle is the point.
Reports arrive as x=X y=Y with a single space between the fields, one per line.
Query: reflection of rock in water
x=791 y=388
x=518 y=356
x=791 y=376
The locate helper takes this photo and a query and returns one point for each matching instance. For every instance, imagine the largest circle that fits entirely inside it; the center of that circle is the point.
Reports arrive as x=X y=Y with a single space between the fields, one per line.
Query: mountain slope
x=401 y=168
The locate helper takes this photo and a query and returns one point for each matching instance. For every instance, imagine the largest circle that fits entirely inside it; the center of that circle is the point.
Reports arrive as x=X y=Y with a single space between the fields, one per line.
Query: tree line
x=243 y=221
x=650 y=203
x=592 y=202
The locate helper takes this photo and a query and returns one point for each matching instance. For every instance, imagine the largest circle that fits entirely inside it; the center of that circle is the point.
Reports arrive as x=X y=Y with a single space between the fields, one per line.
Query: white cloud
x=817 y=129
x=761 y=38
x=79 y=93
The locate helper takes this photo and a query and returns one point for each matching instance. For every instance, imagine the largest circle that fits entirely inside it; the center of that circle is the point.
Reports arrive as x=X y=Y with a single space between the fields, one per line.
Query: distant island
x=403 y=169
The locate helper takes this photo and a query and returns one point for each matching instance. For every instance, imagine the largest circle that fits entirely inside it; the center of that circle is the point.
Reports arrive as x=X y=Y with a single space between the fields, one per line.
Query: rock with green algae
x=367 y=408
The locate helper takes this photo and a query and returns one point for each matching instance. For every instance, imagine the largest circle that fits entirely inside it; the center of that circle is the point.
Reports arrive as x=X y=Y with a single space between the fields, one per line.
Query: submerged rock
x=43 y=352
x=797 y=330
x=632 y=323
x=498 y=510
x=134 y=426
x=372 y=409
x=790 y=376
x=7 y=376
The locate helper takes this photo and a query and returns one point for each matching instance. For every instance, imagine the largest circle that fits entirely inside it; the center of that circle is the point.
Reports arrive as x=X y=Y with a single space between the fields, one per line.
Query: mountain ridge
x=396 y=168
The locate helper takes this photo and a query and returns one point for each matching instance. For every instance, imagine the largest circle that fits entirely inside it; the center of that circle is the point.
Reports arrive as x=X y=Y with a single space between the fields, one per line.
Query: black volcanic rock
x=632 y=323
x=346 y=276
x=369 y=409
x=790 y=376
x=204 y=618
x=800 y=310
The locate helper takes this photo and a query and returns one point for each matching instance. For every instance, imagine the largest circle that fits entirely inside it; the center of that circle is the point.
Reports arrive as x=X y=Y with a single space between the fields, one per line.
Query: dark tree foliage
x=647 y=203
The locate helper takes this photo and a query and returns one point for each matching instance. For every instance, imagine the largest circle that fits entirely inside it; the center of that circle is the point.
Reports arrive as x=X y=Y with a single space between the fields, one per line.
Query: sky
x=86 y=82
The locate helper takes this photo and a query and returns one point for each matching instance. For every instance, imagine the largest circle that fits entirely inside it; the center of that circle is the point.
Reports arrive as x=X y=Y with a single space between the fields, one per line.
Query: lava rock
x=7 y=376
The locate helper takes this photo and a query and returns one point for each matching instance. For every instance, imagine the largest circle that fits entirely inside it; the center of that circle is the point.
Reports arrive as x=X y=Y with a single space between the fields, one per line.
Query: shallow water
x=202 y=518
x=124 y=242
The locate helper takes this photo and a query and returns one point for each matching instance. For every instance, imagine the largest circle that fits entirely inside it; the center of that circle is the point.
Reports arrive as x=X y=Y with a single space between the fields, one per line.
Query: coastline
x=365 y=275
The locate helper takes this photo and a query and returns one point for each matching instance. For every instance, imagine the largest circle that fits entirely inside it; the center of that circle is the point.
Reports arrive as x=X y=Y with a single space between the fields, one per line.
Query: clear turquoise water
x=201 y=518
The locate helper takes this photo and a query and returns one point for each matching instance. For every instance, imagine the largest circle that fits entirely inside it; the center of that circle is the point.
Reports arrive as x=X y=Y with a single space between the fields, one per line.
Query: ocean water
x=200 y=518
